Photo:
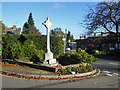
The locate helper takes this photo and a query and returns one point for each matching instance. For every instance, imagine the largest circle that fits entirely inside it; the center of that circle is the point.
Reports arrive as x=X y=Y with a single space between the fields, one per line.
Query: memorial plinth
x=48 y=56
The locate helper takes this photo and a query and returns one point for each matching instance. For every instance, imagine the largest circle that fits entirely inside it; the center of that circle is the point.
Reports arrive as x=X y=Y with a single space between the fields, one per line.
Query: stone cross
x=48 y=56
x=48 y=24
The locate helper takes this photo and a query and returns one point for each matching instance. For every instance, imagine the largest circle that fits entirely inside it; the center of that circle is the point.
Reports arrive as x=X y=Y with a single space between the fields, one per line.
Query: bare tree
x=104 y=15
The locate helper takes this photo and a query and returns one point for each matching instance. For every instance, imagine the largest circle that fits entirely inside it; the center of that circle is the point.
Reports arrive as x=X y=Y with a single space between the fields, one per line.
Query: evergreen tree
x=25 y=28
x=30 y=21
x=33 y=30
x=29 y=28
x=69 y=37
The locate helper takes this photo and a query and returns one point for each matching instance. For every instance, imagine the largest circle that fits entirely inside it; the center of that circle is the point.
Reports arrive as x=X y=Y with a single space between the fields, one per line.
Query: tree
x=34 y=31
x=69 y=37
x=3 y=27
x=105 y=15
x=28 y=27
x=30 y=21
x=25 y=28
x=57 y=31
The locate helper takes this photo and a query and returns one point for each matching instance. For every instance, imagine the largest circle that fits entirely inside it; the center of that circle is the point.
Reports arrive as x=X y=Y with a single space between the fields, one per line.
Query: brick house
x=103 y=42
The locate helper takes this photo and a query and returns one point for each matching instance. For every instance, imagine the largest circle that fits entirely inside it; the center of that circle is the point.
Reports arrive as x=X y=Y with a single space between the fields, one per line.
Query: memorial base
x=48 y=59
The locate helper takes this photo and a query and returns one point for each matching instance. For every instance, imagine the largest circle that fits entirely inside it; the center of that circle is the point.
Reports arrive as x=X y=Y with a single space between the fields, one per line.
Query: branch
x=108 y=29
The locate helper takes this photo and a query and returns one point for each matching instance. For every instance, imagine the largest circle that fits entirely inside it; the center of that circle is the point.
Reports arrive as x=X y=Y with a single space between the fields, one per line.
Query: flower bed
x=63 y=72
x=73 y=69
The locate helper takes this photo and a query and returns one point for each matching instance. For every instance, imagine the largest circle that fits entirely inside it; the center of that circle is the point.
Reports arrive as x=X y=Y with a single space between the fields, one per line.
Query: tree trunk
x=117 y=36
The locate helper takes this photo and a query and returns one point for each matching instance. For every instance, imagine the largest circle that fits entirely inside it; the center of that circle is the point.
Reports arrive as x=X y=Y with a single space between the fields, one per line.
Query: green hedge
x=12 y=48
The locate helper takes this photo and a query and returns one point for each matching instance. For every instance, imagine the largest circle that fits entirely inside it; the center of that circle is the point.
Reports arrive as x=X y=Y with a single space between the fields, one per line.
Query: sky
x=64 y=15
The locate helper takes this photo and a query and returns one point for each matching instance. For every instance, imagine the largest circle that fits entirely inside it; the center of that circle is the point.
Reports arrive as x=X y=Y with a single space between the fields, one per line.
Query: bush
x=40 y=54
x=16 y=50
x=35 y=58
x=24 y=59
x=79 y=69
x=75 y=57
x=90 y=48
x=40 y=41
x=0 y=51
x=97 y=52
x=33 y=47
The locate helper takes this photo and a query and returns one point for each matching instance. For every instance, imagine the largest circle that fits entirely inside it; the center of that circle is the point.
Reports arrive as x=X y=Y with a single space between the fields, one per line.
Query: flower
x=54 y=66
x=70 y=65
x=58 y=66
x=84 y=64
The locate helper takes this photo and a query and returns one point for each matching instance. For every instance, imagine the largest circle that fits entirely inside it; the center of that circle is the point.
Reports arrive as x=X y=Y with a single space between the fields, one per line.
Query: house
x=12 y=30
x=99 y=42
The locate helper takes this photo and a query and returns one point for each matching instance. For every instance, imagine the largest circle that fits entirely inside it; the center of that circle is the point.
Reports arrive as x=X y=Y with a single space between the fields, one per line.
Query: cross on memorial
x=48 y=56
x=48 y=24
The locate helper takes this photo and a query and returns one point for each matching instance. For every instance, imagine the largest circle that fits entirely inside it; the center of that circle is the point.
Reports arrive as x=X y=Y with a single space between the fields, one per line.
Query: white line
x=113 y=63
x=116 y=74
x=106 y=71
x=109 y=75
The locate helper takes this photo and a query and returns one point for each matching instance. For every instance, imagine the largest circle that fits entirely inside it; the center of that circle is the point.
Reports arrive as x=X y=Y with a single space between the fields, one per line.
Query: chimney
x=101 y=33
x=14 y=26
x=94 y=34
x=80 y=37
x=84 y=37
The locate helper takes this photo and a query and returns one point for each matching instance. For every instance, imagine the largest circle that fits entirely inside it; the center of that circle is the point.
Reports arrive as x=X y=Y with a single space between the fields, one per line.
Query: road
x=108 y=78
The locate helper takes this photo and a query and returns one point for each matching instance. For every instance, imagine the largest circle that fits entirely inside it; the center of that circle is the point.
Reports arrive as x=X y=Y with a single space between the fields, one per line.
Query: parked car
x=111 y=48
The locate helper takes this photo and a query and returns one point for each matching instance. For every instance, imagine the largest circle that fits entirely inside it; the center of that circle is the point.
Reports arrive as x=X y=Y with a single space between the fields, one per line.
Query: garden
x=82 y=62
x=30 y=48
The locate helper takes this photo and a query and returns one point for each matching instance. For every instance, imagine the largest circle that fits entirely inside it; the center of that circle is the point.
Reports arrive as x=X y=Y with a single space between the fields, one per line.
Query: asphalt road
x=108 y=78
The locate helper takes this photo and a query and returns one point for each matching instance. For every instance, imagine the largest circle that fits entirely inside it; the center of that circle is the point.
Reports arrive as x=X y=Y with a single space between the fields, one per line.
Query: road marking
x=109 y=75
x=116 y=74
x=113 y=63
x=106 y=71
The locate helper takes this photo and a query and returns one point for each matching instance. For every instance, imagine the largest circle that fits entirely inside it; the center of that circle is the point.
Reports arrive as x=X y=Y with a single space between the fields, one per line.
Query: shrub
x=29 y=49
x=35 y=58
x=79 y=69
x=40 y=54
x=73 y=58
x=24 y=59
x=69 y=69
x=96 y=52
x=12 y=48
x=0 y=49
x=90 y=48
